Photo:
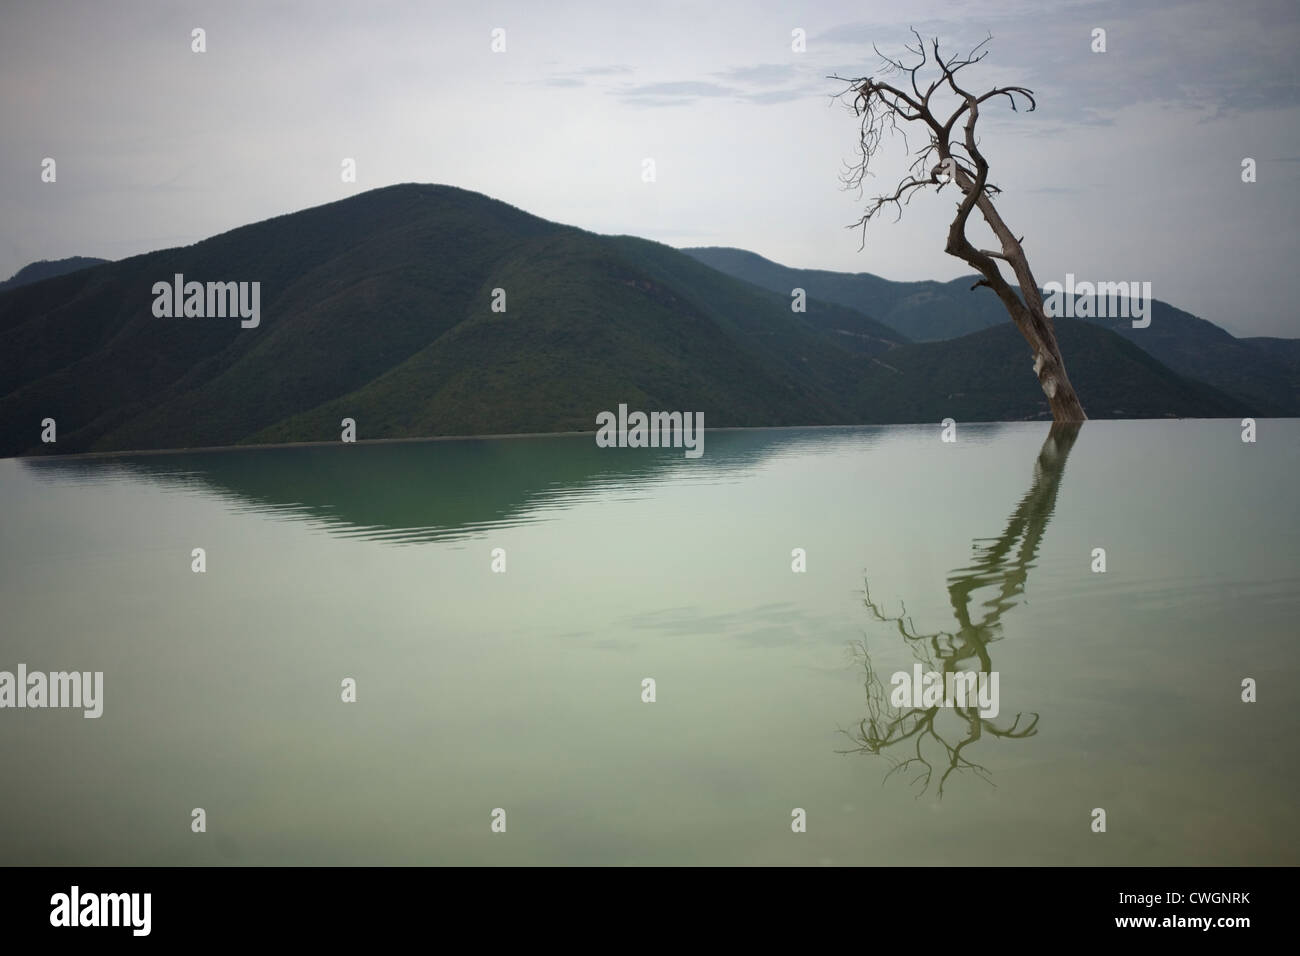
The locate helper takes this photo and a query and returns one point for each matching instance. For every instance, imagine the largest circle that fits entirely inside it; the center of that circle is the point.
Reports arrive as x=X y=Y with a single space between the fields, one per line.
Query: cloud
x=579 y=77
x=605 y=70
x=1172 y=52
x=765 y=74
x=672 y=93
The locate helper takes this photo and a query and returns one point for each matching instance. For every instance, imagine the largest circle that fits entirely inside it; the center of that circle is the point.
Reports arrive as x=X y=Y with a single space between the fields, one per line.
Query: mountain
x=923 y=311
x=1284 y=352
x=379 y=308
x=987 y=376
x=48 y=268
x=1261 y=372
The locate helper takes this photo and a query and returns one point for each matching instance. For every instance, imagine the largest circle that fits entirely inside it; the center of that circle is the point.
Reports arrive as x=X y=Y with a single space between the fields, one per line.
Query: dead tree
x=953 y=156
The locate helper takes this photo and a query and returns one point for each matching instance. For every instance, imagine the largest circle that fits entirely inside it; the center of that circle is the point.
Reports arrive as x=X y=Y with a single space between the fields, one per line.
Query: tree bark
x=1028 y=313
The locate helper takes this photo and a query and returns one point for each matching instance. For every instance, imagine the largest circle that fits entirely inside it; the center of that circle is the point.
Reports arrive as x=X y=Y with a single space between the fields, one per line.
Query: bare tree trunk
x=1028 y=313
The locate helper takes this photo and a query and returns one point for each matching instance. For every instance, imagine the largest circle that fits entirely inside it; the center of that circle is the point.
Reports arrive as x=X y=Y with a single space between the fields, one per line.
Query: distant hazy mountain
x=379 y=308
x=928 y=311
x=48 y=268
x=986 y=376
x=1260 y=371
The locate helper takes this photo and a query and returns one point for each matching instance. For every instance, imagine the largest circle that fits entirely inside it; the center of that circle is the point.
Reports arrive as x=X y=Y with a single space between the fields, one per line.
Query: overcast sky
x=1129 y=169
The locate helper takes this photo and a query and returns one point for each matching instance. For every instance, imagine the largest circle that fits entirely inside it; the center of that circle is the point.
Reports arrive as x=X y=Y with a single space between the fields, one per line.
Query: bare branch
x=951 y=154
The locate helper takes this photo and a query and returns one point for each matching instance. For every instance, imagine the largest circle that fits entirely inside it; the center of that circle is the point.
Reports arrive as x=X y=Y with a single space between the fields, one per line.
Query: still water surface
x=523 y=690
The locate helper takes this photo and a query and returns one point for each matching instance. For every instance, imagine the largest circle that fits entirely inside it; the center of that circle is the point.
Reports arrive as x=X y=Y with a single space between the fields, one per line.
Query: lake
x=522 y=689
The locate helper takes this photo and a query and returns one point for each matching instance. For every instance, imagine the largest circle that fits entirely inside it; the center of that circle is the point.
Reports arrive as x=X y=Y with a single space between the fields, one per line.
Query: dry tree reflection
x=919 y=738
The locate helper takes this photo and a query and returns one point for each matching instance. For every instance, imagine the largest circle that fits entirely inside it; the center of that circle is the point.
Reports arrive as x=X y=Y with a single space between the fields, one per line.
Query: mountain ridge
x=379 y=307
x=1260 y=371
x=48 y=269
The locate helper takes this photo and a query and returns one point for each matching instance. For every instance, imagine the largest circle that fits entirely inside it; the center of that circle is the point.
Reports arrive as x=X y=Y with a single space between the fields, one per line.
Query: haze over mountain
x=379 y=308
x=1260 y=371
x=48 y=268
x=930 y=310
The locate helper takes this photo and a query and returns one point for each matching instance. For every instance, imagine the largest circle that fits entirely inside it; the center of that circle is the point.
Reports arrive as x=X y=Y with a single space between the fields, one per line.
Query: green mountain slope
x=1200 y=349
x=392 y=290
x=378 y=308
x=987 y=376
x=1261 y=374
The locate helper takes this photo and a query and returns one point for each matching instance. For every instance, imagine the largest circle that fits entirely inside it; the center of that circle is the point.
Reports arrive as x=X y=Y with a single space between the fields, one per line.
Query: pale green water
x=523 y=690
